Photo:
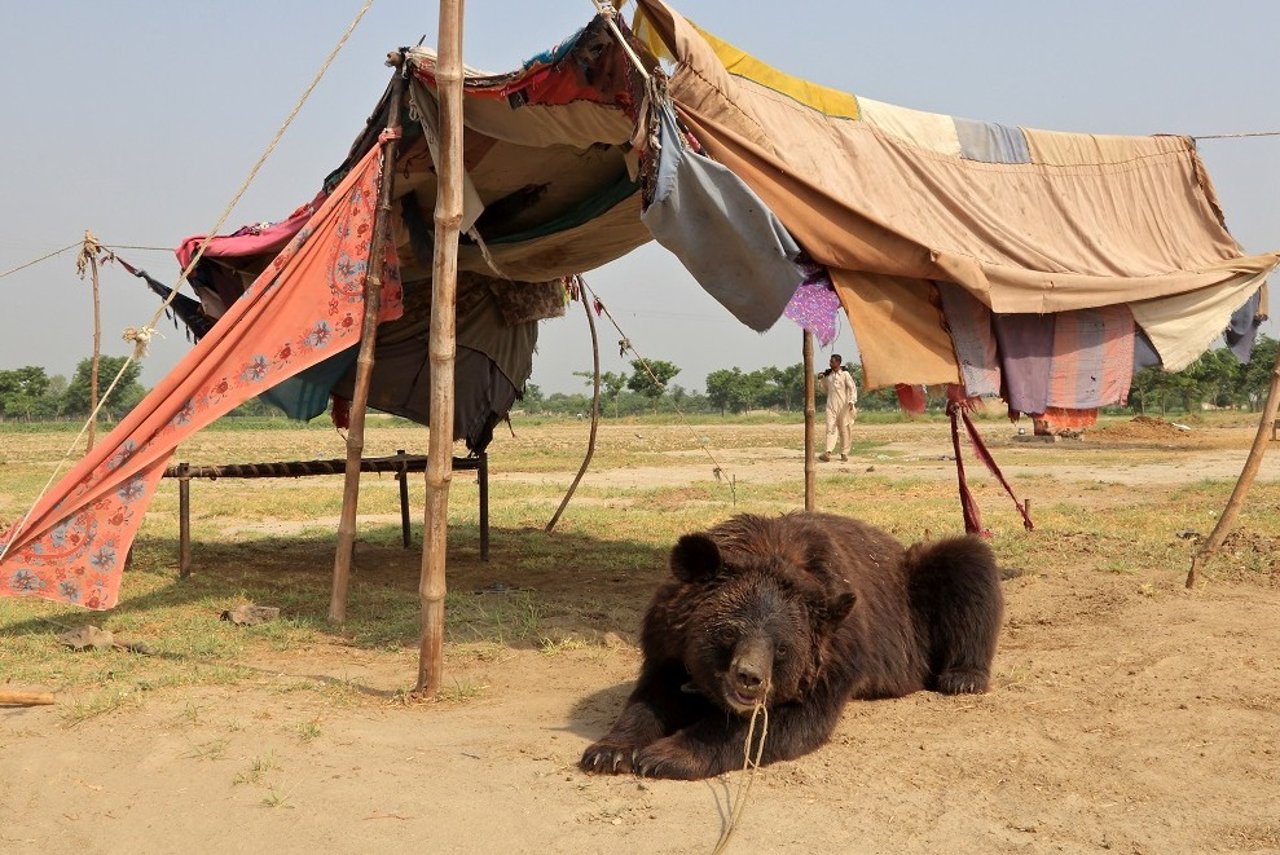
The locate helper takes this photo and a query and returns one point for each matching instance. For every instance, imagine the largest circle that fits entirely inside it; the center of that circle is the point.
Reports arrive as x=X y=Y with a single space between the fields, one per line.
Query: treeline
x=30 y=394
x=727 y=390
x=1216 y=379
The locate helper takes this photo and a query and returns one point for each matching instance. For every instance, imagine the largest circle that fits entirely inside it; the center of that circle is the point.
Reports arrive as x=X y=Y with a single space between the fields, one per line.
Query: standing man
x=842 y=400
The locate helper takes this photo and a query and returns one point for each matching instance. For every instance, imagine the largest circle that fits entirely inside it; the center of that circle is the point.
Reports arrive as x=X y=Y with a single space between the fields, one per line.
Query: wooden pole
x=91 y=248
x=810 y=412
x=184 y=520
x=25 y=699
x=595 y=412
x=364 y=362
x=403 y=477
x=442 y=348
x=1250 y=471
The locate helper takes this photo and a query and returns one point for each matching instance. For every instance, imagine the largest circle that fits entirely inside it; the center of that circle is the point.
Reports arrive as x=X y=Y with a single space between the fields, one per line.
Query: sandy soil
x=1128 y=715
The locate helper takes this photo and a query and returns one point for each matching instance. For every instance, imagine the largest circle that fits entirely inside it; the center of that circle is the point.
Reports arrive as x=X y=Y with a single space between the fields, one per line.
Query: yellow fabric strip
x=840 y=105
x=832 y=102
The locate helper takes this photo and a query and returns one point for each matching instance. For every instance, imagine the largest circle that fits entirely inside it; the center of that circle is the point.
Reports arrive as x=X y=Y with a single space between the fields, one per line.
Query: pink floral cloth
x=305 y=307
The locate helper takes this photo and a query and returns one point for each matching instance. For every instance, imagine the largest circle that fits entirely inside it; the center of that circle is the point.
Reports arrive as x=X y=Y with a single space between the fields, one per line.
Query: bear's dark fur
x=801 y=613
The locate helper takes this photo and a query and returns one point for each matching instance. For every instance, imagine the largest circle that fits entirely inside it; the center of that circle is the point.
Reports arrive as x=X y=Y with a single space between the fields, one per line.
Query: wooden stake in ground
x=89 y=258
x=810 y=414
x=1250 y=471
x=442 y=348
x=364 y=362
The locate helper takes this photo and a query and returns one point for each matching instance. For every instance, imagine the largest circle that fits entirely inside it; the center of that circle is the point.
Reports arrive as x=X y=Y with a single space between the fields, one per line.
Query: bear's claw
x=603 y=759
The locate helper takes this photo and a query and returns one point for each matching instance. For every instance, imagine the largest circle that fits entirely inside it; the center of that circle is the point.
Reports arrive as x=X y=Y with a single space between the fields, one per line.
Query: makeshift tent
x=1006 y=261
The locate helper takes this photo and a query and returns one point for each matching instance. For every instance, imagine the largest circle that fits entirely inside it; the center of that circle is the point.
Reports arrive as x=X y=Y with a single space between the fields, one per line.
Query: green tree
x=1255 y=380
x=533 y=398
x=611 y=385
x=785 y=388
x=127 y=394
x=1217 y=375
x=651 y=378
x=721 y=388
x=22 y=391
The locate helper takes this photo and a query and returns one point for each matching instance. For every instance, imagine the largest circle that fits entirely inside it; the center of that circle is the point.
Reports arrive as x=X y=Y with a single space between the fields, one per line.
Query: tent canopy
x=1039 y=266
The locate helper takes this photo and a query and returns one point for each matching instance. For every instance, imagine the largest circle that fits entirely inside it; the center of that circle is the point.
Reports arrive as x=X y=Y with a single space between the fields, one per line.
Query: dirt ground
x=1128 y=715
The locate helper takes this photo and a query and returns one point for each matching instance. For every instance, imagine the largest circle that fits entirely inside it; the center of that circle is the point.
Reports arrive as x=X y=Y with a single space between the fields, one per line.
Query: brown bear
x=798 y=613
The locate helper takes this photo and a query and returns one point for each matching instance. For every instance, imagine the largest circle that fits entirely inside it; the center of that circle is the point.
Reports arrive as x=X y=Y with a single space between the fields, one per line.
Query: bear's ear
x=695 y=557
x=838 y=607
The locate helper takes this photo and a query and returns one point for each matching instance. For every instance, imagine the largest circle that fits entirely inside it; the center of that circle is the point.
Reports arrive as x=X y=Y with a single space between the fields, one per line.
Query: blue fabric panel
x=990 y=143
x=724 y=235
x=305 y=395
x=1243 y=328
x=1144 y=352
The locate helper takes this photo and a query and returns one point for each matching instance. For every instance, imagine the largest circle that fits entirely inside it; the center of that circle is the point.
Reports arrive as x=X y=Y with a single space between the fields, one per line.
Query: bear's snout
x=749 y=674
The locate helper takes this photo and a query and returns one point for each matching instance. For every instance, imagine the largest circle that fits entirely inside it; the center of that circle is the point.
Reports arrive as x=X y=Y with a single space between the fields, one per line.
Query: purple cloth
x=814 y=305
x=1026 y=348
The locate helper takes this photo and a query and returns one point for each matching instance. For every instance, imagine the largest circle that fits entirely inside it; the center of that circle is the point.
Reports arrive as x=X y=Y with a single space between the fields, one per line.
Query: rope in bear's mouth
x=750 y=766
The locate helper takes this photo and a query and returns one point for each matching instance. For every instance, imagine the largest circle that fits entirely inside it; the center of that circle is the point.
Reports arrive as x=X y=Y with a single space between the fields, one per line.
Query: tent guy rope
x=34 y=262
x=644 y=363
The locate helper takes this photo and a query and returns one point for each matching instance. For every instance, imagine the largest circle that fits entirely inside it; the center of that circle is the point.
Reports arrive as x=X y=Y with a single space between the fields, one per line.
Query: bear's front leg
x=717 y=744
x=657 y=707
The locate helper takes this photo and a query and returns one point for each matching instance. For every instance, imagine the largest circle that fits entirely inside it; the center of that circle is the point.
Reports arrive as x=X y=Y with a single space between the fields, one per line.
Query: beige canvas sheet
x=1091 y=221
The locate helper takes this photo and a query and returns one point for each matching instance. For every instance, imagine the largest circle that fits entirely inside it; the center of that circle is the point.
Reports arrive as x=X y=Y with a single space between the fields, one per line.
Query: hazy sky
x=139 y=119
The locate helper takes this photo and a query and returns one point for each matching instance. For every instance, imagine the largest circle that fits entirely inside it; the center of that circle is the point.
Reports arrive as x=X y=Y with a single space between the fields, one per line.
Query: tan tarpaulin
x=1085 y=221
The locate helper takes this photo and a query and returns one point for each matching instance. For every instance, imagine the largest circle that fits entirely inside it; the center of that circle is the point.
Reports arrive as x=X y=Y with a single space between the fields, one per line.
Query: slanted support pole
x=364 y=362
x=442 y=348
x=1247 y=474
x=810 y=411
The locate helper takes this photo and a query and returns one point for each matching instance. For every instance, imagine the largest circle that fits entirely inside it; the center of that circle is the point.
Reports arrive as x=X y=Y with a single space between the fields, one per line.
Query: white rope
x=40 y=259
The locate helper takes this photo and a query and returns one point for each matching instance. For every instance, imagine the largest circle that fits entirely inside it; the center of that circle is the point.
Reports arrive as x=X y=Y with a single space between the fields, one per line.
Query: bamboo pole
x=89 y=254
x=25 y=699
x=442 y=348
x=364 y=362
x=1247 y=474
x=810 y=413
x=595 y=413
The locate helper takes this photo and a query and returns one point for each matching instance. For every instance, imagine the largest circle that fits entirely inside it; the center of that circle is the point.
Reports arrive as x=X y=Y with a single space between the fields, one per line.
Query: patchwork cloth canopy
x=1066 y=233
x=1037 y=266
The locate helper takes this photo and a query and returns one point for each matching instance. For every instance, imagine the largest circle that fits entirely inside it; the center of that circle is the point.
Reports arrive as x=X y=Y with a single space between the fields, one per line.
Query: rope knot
x=141 y=338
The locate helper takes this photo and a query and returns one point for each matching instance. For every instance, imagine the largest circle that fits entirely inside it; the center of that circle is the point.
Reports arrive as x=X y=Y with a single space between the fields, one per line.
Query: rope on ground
x=626 y=345
x=750 y=766
x=40 y=259
x=141 y=335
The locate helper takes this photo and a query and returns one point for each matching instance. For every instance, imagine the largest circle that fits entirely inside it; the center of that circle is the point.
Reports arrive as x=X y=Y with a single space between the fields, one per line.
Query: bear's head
x=758 y=625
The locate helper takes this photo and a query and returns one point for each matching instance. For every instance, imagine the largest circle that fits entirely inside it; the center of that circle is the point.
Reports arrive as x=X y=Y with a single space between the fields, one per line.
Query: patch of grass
x=460 y=690
x=258 y=767
x=215 y=749
x=309 y=731
x=274 y=799
x=102 y=703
